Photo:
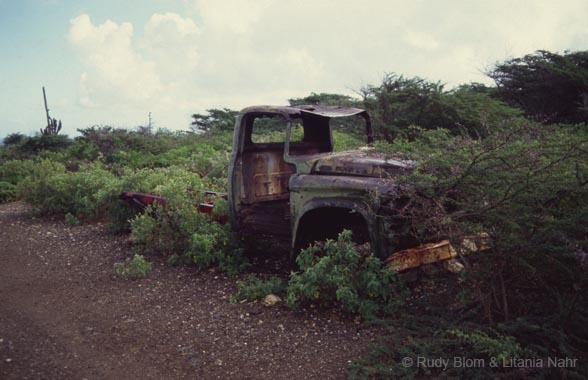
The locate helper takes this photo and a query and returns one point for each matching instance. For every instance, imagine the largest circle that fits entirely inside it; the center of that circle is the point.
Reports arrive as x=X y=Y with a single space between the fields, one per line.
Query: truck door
x=260 y=177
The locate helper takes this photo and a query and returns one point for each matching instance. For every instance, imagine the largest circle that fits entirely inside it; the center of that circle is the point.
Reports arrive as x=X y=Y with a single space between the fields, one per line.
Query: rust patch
x=271 y=184
x=421 y=255
x=266 y=175
x=433 y=252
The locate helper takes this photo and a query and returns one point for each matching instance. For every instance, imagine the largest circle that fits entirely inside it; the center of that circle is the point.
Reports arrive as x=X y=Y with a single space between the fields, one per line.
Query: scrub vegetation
x=510 y=161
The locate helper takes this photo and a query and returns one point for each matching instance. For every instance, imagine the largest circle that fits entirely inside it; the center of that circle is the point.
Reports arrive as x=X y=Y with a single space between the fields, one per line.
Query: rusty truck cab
x=271 y=144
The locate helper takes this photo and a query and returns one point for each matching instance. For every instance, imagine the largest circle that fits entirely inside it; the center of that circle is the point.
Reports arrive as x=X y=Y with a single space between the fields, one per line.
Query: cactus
x=52 y=128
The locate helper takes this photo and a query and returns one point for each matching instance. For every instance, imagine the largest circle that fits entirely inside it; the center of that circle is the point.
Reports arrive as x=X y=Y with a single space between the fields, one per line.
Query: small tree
x=14 y=138
x=548 y=86
x=399 y=102
x=215 y=120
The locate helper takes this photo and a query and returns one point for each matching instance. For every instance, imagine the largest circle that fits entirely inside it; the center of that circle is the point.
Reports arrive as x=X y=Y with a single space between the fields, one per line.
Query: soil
x=65 y=314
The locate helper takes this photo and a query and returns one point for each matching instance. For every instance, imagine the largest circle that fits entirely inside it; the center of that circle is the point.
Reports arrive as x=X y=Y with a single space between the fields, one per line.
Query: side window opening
x=310 y=135
x=349 y=133
x=268 y=129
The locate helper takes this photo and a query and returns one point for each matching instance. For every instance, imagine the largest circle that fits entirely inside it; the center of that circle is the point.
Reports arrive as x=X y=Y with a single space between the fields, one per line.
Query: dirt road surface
x=64 y=314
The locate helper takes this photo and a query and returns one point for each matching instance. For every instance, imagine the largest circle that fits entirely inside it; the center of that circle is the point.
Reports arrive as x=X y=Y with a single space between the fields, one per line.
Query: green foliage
x=31 y=146
x=186 y=235
x=133 y=268
x=92 y=192
x=214 y=120
x=122 y=149
x=14 y=138
x=419 y=337
x=526 y=186
x=326 y=99
x=479 y=167
x=14 y=171
x=346 y=141
x=254 y=288
x=399 y=102
x=33 y=189
x=50 y=188
x=71 y=220
x=162 y=148
x=496 y=346
x=547 y=86
x=210 y=246
x=7 y=192
x=83 y=150
x=334 y=274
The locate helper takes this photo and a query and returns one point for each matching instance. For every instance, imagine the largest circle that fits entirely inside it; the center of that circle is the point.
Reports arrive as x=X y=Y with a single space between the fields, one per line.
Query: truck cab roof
x=298 y=111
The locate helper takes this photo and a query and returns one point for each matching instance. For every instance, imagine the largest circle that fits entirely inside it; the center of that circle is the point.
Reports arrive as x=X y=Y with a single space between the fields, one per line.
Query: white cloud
x=234 y=16
x=137 y=76
x=115 y=70
x=171 y=43
x=238 y=53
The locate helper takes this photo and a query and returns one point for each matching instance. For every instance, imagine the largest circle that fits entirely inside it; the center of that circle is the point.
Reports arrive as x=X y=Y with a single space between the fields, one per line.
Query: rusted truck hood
x=359 y=163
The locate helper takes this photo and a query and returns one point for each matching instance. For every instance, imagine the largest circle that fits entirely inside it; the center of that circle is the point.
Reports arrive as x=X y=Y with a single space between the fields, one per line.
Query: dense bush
x=33 y=145
x=526 y=186
x=14 y=171
x=334 y=274
x=50 y=188
x=469 y=353
x=179 y=231
x=7 y=192
x=400 y=102
x=14 y=139
x=547 y=86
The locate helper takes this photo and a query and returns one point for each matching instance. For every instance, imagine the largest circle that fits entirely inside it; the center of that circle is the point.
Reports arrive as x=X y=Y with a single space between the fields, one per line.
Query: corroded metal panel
x=265 y=176
x=360 y=163
x=421 y=255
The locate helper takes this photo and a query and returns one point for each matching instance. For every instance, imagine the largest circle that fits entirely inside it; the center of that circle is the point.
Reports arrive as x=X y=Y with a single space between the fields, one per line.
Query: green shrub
x=334 y=274
x=33 y=145
x=180 y=231
x=71 y=220
x=14 y=171
x=417 y=337
x=254 y=288
x=14 y=138
x=83 y=150
x=133 y=268
x=7 y=192
x=526 y=186
x=84 y=194
x=35 y=189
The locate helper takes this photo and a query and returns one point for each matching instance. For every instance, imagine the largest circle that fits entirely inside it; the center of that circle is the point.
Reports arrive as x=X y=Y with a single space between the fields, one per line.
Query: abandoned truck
x=300 y=190
x=288 y=183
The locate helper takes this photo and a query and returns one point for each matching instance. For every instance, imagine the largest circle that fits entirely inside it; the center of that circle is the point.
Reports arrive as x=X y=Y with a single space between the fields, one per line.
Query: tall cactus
x=53 y=127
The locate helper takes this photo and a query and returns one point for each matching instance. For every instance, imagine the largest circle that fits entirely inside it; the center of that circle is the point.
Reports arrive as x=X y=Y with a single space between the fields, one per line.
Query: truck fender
x=359 y=207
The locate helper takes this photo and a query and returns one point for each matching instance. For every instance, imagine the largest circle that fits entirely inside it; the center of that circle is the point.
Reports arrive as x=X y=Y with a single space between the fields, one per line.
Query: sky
x=115 y=62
